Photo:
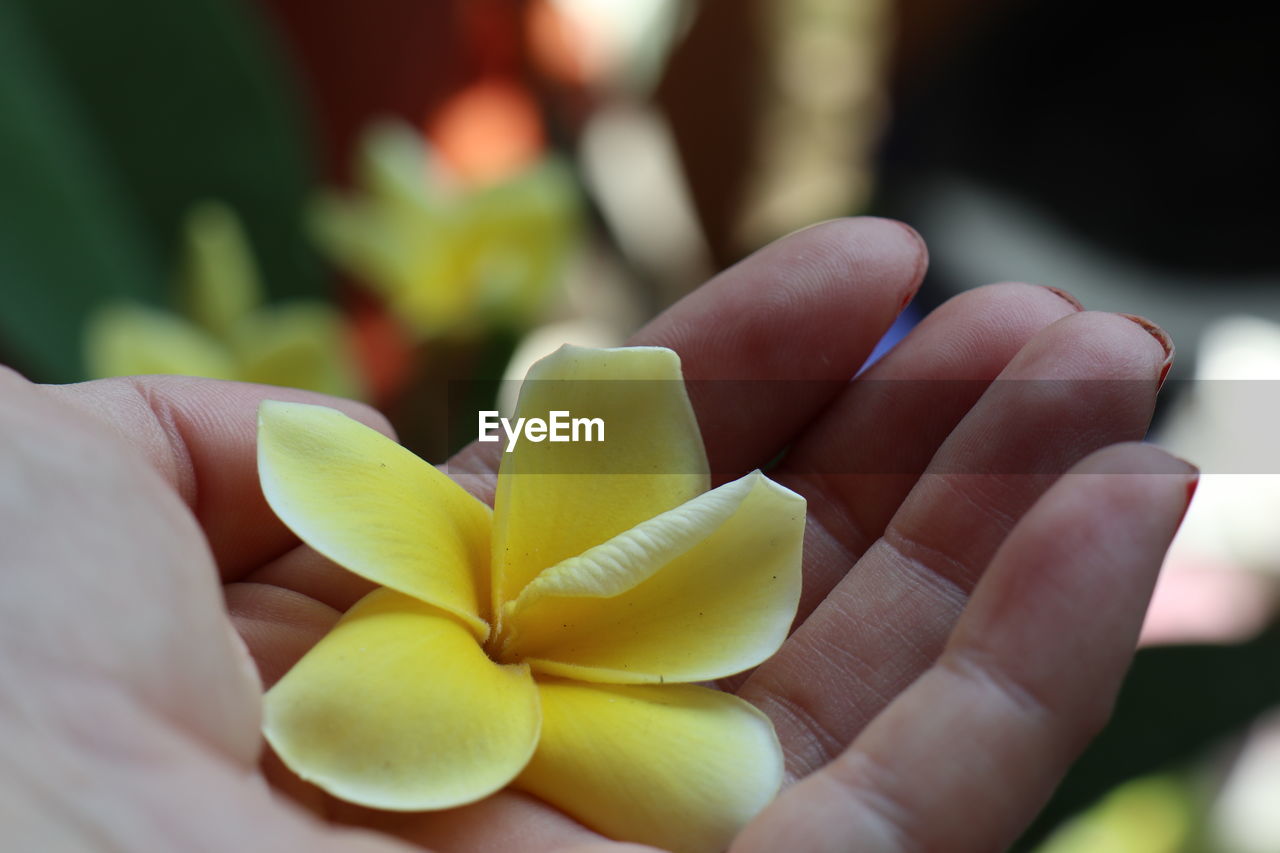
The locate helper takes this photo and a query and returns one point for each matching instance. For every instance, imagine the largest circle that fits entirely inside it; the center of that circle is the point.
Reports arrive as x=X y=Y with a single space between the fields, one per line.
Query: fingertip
x=1162 y=338
x=996 y=320
x=974 y=334
x=804 y=312
x=1132 y=489
x=869 y=247
x=918 y=250
x=1064 y=296
x=810 y=305
x=1099 y=345
x=912 y=243
x=1135 y=457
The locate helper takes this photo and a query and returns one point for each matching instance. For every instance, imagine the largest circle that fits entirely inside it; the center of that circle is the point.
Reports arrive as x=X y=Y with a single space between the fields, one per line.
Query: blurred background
x=408 y=201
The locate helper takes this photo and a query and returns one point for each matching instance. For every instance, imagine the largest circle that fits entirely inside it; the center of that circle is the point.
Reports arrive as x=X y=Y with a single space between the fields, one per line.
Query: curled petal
x=700 y=592
x=399 y=708
x=373 y=507
x=678 y=766
x=557 y=499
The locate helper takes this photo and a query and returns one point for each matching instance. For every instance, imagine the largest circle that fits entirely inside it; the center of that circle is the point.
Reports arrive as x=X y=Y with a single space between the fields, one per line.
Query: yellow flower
x=553 y=643
x=1157 y=813
x=226 y=332
x=449 y=260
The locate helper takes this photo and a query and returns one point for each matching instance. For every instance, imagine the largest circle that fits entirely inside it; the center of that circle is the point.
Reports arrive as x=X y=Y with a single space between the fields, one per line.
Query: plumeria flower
x=450 y=258
x=556 y=643
x=225 y=330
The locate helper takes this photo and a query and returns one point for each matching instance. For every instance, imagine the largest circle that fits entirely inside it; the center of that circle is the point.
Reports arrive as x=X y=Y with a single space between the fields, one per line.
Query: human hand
x=907 y=723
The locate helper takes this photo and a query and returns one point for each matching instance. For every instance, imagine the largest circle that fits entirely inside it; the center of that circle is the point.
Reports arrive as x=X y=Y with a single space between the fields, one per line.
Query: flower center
x=498 y=646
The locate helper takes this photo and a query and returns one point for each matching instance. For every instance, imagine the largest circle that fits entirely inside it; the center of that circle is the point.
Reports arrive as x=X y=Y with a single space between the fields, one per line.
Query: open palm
x=968 y=611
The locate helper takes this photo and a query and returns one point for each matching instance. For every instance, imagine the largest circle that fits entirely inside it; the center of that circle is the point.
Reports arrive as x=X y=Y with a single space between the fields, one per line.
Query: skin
x=962 y=634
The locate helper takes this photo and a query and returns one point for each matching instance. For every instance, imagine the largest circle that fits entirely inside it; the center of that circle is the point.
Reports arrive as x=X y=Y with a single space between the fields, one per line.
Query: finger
x=107 y=582
x=769 y=342
x=610 y=847
x=965 y=757
x=508 y=820
x=201 y=436
x=1087 y=381
x=279 y=624
x=862 y=456
x=94 y=768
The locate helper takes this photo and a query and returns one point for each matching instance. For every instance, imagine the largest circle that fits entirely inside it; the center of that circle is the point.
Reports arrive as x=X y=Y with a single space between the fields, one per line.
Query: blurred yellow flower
x=449 y=259
x=1149 y=814
x=553 y=643
x=225 y=332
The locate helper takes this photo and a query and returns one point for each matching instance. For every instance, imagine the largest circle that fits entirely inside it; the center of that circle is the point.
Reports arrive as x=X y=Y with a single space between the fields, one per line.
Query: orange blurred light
x=562 y=47
x=382 y=347
x=489 y=130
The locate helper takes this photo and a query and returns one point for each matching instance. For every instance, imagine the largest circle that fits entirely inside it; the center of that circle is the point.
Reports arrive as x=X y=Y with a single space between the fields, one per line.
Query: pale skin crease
x=961 y=636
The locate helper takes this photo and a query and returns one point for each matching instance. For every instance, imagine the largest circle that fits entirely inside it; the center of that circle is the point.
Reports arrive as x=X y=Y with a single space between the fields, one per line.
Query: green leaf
x=115 y=119
x=66 y=230
x=192 y=101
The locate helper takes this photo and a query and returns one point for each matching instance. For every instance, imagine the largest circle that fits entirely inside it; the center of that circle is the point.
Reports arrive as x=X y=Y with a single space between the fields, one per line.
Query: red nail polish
x=1162 y=337
x=1191 y=493
x=1065 y=297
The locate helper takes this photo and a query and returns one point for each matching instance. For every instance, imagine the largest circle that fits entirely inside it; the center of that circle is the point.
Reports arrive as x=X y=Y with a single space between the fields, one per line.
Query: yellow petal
x=702 y=591
x=396 y=165
x=297 y=345
x=679 y=767
x=557 y=499
x=438 y=293
x=220 y=278
x=370 y=505
x=399 y=708
x=415 y=227
x=349 y=233
x=448 y=259
x=128 y=340
x=407 y=254
x=520 y=233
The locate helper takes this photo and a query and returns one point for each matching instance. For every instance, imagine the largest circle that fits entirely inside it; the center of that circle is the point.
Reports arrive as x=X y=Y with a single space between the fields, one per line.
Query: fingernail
x=1191 y=492
x=922 y=263
x=1165 y=341
x=912 y=233
x=1065 y=297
